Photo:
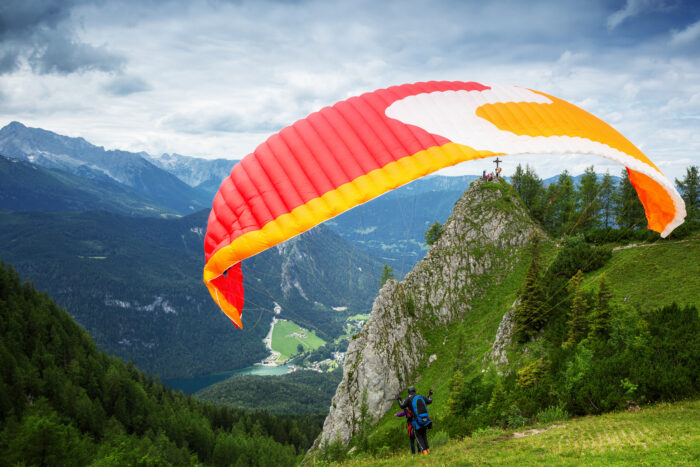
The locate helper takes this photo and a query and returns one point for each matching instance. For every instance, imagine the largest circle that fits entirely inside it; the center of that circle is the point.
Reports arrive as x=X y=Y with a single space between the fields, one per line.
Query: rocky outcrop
x=479 y=244
x=504 y=338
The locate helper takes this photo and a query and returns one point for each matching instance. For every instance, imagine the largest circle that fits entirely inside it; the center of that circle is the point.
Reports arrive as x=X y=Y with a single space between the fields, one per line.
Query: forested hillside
x=301 y=392
x=135 y=285
x=28 y=187
x=66 y=403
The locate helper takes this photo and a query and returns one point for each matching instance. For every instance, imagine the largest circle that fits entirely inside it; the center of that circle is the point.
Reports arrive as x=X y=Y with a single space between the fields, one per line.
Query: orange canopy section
x=360 y=148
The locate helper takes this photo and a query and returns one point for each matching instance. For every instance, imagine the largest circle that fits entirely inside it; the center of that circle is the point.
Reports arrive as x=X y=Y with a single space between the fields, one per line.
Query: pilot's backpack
x=421 y=419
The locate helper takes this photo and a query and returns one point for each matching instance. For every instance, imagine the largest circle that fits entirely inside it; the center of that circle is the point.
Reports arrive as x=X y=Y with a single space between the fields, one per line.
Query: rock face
x=480 y=242
x=504 y=338
x=195 y=171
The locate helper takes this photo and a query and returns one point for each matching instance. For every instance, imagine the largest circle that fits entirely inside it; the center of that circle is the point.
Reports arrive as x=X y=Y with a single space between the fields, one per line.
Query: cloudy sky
x=214 y=78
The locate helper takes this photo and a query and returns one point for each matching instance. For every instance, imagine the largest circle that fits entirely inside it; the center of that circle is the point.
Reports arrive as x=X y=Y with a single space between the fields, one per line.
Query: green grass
x=653 y=275
x=359 y=317
x=665 y=434
x=285 y=339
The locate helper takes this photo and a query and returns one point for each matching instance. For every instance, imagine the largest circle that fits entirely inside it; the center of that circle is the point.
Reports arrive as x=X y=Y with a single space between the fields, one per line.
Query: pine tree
x=433 y=233
x=587 y=202
x=578 y=322
x=387 y=273
x=531 y=313
x=600 y=319
x=454 y=402
x=549 y=205
x=364 y=424
x=607 y=200
x=529 y=187
x=561 y=205
x=567 y=202
x=690 y=192
x=629 y=210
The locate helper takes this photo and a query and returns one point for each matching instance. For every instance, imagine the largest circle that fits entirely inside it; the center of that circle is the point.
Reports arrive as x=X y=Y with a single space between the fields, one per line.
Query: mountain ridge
x=204 y=174
x=29 y=187
x=77 y=156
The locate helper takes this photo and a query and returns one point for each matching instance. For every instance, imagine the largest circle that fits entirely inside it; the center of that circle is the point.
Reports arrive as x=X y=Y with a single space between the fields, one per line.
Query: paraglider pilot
x=411 y=432
x=417 y=418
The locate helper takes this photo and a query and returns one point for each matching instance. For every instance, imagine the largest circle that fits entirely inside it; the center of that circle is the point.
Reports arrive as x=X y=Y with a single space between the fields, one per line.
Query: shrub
x=610 y=235
x=577 y=254
x=487 y=432
x=383 y=451
x=514 y=418
x=551 y=414
x=674 y=369
x=333 y=452
x=439 y=438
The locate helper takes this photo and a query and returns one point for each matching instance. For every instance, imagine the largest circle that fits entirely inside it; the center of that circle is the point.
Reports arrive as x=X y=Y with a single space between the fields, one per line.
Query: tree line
x=599 y=207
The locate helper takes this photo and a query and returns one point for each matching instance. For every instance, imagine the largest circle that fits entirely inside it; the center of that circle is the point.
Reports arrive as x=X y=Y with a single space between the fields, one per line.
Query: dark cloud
x=19 y=19
x=124 y=85
x=9 y=59
x=63 y=55
x=39 y=32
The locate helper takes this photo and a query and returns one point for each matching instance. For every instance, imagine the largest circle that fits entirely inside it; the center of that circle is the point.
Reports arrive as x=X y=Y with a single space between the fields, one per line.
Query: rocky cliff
x=480 y=243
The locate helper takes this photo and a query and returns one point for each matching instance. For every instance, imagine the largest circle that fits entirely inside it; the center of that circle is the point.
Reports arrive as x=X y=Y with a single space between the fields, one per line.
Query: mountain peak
x=13 y=125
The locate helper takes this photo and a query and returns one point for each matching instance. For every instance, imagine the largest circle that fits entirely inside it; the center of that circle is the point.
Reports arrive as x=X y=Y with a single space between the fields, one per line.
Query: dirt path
x=534 y=431
x=642 y=245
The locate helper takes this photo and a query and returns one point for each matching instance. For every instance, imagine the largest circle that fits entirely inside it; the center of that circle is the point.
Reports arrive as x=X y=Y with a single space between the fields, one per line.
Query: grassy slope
x=666 y=434
x=656 y=274
x=286 y=345
x=648 y=276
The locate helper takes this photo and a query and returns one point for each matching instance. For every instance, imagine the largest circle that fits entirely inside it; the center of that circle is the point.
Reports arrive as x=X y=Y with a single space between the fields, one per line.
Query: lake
x=194 y=384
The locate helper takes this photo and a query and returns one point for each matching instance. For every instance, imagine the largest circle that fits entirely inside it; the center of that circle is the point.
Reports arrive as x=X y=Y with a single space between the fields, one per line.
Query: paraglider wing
x=360 y=148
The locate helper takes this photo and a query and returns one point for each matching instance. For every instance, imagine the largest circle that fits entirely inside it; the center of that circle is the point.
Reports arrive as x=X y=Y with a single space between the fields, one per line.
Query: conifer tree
x=561 y=205
x=690 y=192
x=578 y=322
x=454 y=402
x=549 y=205
x=607 y=200
x=433 y=233
x=587 y=202
x=629 y=210
x=529 y=187
x=530 y=315
x=600 y=319
x=387 y=273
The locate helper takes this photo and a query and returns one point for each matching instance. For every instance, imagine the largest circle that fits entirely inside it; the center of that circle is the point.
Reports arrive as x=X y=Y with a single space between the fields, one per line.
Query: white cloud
x=631 y=9
x=686 y=36
x=123 y=85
